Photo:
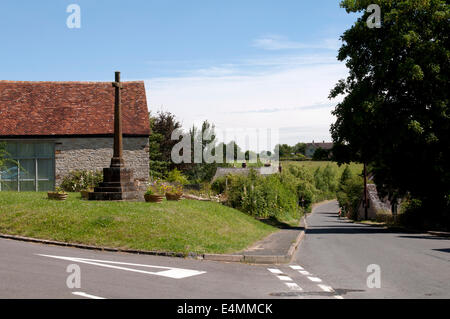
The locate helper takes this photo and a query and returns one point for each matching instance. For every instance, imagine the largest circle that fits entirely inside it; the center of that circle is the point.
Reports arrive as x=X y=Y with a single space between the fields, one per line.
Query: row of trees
x=161 y=146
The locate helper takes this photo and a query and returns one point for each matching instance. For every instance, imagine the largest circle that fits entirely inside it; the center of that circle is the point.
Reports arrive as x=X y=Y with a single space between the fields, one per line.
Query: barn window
x=31 y=167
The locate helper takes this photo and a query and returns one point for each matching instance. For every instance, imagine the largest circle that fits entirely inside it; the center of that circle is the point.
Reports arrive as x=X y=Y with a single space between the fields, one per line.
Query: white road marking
x=274 y=271
x=296 y=267
x=293 y=286
x=170 y=272
x=315 y=279
x=326 y=288
x=284 y=278
x=83 y=294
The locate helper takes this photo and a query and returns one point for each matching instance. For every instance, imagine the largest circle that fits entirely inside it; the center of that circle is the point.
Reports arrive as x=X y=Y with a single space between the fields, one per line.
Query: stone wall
x=88 y=153
x=376 y=204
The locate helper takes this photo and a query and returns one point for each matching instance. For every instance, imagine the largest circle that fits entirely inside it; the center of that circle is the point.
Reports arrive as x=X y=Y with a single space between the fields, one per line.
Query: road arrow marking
x=170 y=272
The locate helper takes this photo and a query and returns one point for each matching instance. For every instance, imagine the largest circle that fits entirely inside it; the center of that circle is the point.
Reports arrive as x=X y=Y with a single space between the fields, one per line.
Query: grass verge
x=185 y=226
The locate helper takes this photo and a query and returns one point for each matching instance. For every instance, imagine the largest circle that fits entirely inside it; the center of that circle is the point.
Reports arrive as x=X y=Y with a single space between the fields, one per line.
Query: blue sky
x=252 y=63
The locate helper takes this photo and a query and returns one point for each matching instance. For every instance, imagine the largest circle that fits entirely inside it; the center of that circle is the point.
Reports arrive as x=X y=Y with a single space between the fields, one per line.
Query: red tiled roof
x=70 y=108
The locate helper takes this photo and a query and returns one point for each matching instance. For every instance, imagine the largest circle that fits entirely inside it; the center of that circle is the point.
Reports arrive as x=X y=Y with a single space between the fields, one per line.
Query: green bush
x=175 y=176
x=325 y=180
x=219 y=185
x=261 y=196
x=349 y=195
x=79 y=180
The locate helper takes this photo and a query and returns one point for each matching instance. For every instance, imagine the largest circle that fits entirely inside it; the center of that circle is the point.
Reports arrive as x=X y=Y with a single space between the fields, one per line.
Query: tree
x=160 y=143
x=283 y=150
x=321 y=155
x=299 y=148
x=395 y=113
x=3 y=156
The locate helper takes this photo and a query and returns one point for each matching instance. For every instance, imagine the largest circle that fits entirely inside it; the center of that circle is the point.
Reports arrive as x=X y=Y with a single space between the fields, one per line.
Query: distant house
x=52 y=128
x=312 y=147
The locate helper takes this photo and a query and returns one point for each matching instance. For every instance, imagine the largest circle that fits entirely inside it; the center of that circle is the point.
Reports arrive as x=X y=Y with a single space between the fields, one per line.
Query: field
x=185 y=226
x=356 y=168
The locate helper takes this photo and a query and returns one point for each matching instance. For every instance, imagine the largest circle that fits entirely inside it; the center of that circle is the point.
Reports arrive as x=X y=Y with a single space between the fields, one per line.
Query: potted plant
x=155 y=193
x=58 y=194
x=85 y=193
x=174 y=193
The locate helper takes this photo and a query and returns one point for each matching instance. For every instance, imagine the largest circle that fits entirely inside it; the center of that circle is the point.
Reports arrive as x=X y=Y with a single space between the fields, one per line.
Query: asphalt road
x=411 y=265
x=331 y=263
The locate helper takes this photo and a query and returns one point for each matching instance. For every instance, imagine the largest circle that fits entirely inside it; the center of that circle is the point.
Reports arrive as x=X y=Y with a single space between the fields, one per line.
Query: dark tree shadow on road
x=444 y=250
x=276 y=223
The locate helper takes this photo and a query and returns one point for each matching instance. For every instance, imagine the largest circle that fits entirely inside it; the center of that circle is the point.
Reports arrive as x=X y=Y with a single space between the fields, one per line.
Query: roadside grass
x=184 y=226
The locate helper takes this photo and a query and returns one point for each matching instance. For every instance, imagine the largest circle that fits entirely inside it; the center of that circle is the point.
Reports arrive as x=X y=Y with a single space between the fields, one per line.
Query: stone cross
x=117 y=160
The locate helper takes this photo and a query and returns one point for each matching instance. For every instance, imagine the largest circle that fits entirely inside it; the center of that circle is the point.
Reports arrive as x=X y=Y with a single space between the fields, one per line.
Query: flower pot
x=57 y=196
x=173 y=196
x=153 y=198
x=84 y=194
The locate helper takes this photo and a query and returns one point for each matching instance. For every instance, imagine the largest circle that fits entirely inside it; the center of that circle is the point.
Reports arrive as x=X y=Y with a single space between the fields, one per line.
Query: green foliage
x=299 y=148
x=3 y=155
x=395 y=114
x=80 y=180
x=175 y=176
x=349 y=194
x=321 y=155
x=262 y=197
x=219 y=185
x=414 y=214
x=325 y=180
x=160 y=143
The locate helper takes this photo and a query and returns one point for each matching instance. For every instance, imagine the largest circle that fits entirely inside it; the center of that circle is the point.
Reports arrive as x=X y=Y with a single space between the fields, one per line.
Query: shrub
x=219 y=185
x=175 y=176
x=383 y=216
x=349 y=195
x=262 y=197
x=79 y=180
x=325 y=180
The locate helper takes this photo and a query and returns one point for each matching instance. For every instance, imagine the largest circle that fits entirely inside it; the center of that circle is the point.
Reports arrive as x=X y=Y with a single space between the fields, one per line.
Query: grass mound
x=185 y=226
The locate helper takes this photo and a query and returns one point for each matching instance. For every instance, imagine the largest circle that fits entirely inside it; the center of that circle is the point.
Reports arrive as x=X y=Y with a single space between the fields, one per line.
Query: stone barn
x=52 y=128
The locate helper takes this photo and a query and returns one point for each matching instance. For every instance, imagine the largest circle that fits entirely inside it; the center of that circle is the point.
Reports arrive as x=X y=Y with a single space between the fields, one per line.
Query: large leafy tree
x=395 y=114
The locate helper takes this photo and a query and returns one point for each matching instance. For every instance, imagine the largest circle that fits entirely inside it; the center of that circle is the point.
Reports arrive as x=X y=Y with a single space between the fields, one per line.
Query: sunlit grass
x=185 y=226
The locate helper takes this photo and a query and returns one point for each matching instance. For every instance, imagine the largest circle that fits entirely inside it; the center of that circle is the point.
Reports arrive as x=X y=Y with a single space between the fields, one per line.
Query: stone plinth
x=118 y=184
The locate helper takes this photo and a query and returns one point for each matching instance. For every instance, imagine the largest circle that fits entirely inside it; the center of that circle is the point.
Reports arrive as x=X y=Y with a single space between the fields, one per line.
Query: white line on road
x=293 y=286
x=274 y=271
x=315 y=279
x=304 y=272
x=296 y=267
x=326 y=288
x=284 y=278
x=83 y=294
x=171 y=272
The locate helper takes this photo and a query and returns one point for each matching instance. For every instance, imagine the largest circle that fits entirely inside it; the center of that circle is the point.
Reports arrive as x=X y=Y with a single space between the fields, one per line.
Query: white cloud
x=277 y=42
x=285 y=93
